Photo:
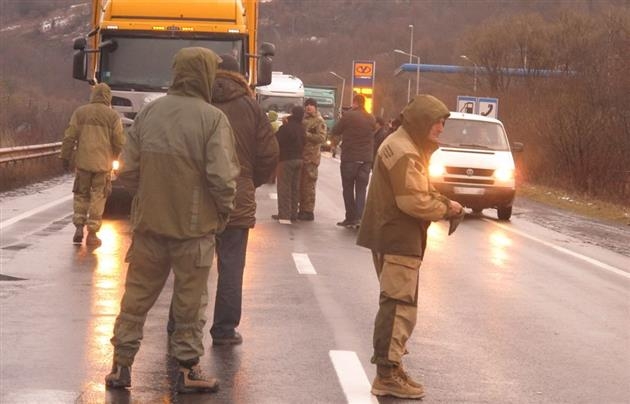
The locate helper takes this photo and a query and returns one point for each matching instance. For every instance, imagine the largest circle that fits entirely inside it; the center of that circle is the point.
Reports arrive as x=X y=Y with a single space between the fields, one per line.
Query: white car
x=474 y=164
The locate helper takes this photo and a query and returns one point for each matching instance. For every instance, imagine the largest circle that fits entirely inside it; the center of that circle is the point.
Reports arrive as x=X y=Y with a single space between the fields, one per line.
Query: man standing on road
x=257 y=150
x=400 y=206
x=315 y=127
x=181 y=164
x=96 y=132
x=356 y=129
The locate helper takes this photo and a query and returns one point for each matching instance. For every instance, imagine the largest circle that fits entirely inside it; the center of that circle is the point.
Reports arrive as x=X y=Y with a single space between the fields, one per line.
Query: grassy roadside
x=593 y=208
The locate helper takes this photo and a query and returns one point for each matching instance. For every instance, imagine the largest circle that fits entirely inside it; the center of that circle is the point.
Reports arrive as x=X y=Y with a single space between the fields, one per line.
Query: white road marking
x=273 y=195
x=352 y=377
x=590 y=260
x=34 y=211
x=303 y=264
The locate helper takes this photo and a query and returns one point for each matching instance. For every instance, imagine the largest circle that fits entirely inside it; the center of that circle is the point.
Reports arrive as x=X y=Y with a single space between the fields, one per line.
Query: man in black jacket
x=355 y=129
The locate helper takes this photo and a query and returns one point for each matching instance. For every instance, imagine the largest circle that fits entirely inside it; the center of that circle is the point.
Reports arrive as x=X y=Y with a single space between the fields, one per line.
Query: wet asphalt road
x=509 y=312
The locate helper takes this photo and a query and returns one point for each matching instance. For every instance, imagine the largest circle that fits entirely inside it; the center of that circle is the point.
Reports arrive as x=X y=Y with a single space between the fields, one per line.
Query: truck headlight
x=436 y=169
x=504 y=174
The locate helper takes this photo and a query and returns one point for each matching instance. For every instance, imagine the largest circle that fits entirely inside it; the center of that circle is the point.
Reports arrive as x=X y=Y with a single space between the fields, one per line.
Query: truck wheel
x=504 y=212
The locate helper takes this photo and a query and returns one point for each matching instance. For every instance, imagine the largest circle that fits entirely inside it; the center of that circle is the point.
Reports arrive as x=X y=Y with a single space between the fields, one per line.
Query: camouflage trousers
x=90 y=194
x=151 y=259
x=307 y=187
x=398 y=306
x=288 y=188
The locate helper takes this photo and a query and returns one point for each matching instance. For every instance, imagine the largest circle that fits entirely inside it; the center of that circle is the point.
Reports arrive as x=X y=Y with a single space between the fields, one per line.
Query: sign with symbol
x=363 y=73
x=482 y=106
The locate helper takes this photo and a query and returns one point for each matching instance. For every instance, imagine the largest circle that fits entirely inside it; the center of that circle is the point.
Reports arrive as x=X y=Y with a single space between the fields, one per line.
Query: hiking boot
x=192 y=380
x=78 y=235
x=388 y=382
x=345 y=223
x=401 y=372
x=119 y=378
x=306 y=216
x=92 y=239
x=236 y=339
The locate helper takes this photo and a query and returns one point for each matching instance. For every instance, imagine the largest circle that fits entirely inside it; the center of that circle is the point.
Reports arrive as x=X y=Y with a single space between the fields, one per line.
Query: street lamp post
x=343 y=86
x=474 y=72
x=417 y=67
x=410 y=54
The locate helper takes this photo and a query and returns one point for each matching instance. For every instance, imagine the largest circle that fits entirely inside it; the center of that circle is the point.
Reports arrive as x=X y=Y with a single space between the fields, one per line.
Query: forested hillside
x=575 y=125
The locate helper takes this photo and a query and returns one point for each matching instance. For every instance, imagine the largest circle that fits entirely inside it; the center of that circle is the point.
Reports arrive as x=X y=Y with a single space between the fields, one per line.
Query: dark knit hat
x=310 y=101
x=297 y=113
x=229 y=63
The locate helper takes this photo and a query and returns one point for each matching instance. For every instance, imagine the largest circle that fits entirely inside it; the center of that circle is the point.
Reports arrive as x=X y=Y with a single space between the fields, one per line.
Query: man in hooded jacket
x=96 y=132
x=180 y=163
x=315 y=128
x=257 y=150
x=401 y=204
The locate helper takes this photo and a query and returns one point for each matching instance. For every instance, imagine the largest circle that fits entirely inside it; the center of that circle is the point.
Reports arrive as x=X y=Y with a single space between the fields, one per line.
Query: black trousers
x=231 y=249
x=354 y=181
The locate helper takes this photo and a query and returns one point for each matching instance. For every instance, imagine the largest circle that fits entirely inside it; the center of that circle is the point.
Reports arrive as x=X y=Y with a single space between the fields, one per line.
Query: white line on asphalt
x=352 y=377
x=273 y=195
x=590 y=260
x=303 y=264
x=32 y=212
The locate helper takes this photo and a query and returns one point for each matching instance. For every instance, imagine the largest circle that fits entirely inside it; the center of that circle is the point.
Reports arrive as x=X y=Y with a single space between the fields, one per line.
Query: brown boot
x=406 y=377
x=92 y=239
x=119 y=378
x=192 y=380
x=388 y=382
x=78 y=235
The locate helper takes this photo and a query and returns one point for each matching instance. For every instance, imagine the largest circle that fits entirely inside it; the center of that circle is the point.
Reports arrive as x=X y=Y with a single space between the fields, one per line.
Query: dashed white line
x=273 y=195
x=34 y=211
x=590 y=260
x=303 y=264
x=352 y=377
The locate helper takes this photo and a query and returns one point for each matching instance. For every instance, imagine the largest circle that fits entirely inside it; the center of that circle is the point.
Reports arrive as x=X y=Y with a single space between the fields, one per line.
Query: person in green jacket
x=180 y=164
x=401 y=204
x=95 y=134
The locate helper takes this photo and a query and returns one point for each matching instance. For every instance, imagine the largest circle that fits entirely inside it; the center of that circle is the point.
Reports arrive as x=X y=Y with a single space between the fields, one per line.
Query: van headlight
x=504 y=174
x=436 y=169
x=115 y=165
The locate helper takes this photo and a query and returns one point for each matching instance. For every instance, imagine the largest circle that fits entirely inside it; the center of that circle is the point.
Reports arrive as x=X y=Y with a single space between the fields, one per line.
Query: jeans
x=231 y=249
x=354 y=180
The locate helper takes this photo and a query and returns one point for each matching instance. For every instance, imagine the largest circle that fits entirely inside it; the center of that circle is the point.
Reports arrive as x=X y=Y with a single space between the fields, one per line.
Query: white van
x=474 y=164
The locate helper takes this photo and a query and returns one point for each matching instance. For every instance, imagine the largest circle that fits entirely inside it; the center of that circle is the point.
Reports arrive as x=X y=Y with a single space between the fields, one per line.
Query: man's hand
x=454 y=209
x=65 y=164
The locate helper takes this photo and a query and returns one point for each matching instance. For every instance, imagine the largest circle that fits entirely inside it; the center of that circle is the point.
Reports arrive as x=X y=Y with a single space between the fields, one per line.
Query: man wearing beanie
x=400 y=206
x=315 y=127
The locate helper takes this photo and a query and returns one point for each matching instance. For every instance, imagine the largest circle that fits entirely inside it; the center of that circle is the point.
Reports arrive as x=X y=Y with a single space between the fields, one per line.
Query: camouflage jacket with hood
x=401 y=201
x=180 y=158
x=95 y=130
x=256 y=145
x=315 y=127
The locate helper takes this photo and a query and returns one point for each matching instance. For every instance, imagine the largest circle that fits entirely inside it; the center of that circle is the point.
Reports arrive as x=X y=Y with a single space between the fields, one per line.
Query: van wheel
x=504 y=213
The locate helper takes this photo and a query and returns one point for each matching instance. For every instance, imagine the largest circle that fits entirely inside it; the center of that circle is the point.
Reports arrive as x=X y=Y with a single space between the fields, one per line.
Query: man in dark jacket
x=400 y=206
x=257 y=150
x=356 y=129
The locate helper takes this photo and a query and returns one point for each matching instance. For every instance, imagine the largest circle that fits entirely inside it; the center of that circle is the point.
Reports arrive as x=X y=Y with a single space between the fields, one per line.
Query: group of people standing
x=193 y=159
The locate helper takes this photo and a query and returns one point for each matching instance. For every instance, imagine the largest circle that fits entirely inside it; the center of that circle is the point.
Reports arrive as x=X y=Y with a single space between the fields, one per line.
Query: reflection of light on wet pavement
x=107 y=289
x=499 y=243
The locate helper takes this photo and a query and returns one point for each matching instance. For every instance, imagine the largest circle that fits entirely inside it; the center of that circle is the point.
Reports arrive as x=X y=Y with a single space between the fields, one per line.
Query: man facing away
x=356 y=129
x=401 y=204
x=257 y=150
x=96 y=132
x=315 y=127
x=180 y=162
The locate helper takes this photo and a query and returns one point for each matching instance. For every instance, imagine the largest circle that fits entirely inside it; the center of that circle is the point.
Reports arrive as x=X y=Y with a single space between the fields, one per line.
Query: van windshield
x=461 y=133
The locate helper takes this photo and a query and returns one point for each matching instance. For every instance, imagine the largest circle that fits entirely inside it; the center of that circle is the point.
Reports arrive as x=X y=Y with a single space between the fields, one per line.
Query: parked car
x=474 y=164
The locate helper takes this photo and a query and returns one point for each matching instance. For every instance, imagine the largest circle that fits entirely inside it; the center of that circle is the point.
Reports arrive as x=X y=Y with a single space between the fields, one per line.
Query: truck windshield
x=279 y=103
x=473 y=134
x=144 y=64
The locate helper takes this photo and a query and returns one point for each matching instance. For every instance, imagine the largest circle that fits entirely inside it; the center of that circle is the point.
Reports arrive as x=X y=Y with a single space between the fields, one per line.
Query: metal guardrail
x=14 y=154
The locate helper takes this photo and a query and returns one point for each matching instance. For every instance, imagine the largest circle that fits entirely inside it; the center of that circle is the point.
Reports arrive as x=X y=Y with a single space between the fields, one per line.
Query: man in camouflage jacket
x=315 y=127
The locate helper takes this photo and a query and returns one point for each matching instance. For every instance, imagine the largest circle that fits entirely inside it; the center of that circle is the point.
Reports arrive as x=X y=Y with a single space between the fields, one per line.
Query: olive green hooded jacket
x=315 y=127
x=95 y=130
x=180 y=159
x=401 y=201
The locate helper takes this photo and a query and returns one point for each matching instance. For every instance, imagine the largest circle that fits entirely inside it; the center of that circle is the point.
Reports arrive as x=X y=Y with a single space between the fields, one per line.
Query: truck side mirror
x=517 y=147
x=79 y=43
x=267 y=49
x=264 y=71
x=79 y=65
